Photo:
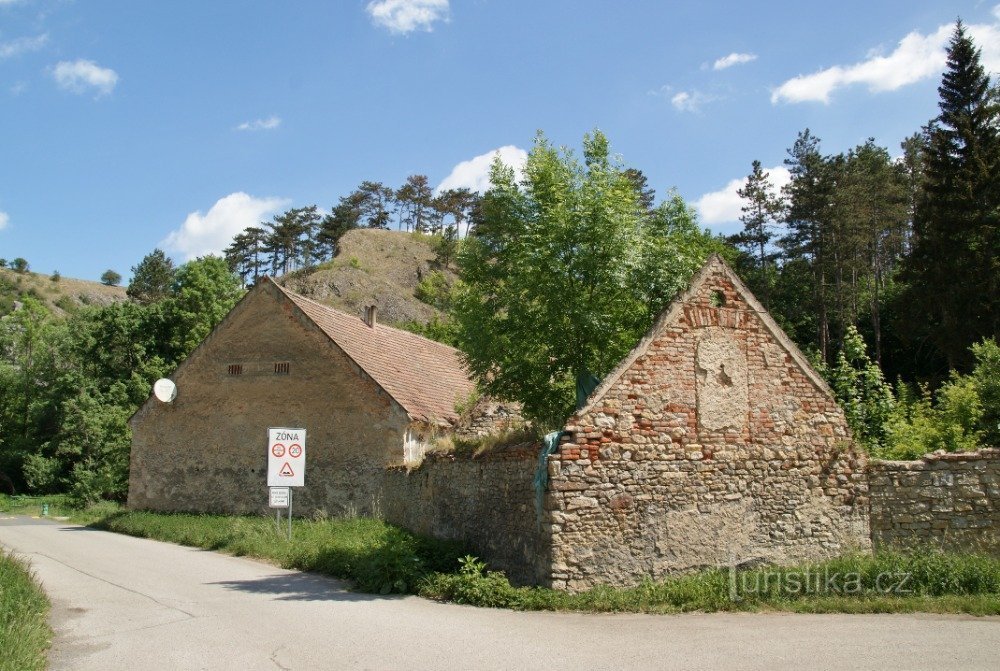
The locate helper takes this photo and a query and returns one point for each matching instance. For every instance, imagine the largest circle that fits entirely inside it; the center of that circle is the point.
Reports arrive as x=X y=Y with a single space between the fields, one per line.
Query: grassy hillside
x=61 y=296
x=373 y=267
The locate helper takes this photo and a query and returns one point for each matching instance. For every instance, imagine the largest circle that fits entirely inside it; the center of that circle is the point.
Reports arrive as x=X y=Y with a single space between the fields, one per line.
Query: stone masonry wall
x=206 y=451
x=948 y=501
x=487 y=502
x=714 y=446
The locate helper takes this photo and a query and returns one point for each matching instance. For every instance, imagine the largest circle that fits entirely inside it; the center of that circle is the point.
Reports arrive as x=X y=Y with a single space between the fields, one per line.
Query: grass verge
x=24 y=632
x=886 y=582
x=383 y=559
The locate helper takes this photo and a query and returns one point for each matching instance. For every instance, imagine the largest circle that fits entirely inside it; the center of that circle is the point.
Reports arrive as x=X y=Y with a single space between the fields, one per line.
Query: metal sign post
x=286 y=468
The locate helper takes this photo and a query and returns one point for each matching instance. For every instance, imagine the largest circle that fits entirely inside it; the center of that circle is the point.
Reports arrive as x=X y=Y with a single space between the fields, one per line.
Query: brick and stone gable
x=714 y=436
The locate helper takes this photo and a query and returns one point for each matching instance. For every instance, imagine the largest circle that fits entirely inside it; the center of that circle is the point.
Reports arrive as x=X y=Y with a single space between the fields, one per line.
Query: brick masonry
x=947 y=501
x=714 y=443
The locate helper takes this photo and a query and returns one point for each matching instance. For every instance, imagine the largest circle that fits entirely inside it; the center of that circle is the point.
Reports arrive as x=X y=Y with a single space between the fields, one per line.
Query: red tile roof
x=425 y=377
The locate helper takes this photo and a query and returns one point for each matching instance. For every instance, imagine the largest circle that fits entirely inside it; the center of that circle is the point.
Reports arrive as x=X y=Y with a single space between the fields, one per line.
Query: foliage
x=564 y=273
x=19 y=265
x=442 y=329
x=203 y=292
x=68 y=387
x=151 y=278
x=111 y=278
x=24 y=633
x=761 y=209
x=435 y=290
x=862 y=391
x=987 y=380
x=954 y=271
x=56 y=276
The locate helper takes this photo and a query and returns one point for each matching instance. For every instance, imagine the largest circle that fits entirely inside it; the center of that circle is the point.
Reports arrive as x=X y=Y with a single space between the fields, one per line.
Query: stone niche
x=721 y=369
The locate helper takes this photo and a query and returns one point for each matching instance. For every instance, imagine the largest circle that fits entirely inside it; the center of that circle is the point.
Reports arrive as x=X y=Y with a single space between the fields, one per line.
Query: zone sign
x=286 y=457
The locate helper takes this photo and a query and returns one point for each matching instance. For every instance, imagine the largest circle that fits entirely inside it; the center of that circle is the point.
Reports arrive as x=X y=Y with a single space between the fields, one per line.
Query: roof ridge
x=293 y=295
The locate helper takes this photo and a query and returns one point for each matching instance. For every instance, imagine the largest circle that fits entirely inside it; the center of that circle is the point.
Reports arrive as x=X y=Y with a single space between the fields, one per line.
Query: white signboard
x=279 y=497
x=286 y=457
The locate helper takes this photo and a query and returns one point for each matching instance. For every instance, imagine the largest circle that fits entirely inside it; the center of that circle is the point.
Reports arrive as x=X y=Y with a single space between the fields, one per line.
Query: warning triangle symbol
x=286 y=471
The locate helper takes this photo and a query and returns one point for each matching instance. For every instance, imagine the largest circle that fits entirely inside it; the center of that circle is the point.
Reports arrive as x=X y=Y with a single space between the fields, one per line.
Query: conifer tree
x=954 y=270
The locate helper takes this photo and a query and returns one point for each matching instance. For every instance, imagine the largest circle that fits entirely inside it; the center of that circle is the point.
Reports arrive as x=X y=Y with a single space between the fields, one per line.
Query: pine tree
x=151 y=278
x=761 y=209
x=954 y=270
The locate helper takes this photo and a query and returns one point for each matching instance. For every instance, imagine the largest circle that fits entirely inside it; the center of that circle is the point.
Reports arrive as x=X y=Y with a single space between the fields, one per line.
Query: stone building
x=713 y=442
x=370 y=396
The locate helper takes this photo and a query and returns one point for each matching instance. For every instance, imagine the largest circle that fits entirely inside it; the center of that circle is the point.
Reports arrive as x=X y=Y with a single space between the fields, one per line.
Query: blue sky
x=130 y=125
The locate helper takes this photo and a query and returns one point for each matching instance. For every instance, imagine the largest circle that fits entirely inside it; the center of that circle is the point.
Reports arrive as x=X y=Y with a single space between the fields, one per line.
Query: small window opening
x=236 y=369
x=717 y=299
x=281 y=368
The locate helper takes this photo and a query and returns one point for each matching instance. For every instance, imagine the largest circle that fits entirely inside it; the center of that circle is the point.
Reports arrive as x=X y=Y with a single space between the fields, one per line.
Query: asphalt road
x=129 y=603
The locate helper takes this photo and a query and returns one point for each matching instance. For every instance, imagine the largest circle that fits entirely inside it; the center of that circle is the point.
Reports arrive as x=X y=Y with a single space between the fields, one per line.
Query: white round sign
x=165 y=390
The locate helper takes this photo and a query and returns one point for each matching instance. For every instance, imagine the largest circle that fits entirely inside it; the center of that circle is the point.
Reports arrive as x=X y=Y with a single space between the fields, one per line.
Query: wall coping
x=519 y=452
x=983 y=453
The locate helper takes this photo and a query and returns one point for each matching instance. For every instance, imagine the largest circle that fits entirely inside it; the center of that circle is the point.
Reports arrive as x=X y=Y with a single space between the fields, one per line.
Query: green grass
x=887 y=582
x=24 y=633
x=381 y=558
x=378 y=557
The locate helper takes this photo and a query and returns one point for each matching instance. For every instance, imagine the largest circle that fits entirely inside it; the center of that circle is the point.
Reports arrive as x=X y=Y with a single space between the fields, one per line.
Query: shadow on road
x=300 y=587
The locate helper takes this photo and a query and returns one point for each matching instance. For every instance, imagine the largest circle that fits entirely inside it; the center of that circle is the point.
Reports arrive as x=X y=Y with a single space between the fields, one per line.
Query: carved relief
x=721 y=369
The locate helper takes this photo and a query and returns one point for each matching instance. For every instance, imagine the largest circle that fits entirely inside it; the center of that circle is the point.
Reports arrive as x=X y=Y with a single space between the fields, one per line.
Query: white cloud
x=4 y=220
x=79 y=75
x=22 y=45
x=733 y=59
x=269 y=123
x=916 y=57
x=210 y=233
x=692 y=101
x=405 y=16
x=474 y=174
x=723 y=206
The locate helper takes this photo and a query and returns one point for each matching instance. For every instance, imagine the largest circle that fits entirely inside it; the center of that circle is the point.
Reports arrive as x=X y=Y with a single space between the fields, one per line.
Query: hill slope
x=61 y=296
x=373 y=267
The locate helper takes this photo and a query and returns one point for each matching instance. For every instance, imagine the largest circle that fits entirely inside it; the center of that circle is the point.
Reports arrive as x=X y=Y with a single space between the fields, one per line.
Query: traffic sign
x=278 y=497
x=286 y=457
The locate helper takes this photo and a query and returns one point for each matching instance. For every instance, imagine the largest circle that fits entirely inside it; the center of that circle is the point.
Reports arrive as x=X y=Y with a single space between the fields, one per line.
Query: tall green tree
x=375 y=202
x=761 y=210
x=416 y=205
x=806 y=218
x=291 y=238
x=151 y=278
x=345 y=216
x=204 y=291
x=954 y=269
x=563 y=274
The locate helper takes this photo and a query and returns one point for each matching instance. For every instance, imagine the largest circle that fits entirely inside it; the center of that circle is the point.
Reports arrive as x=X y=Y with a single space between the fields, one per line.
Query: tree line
x=69 y=385
x=302 y=237
x=907 y=250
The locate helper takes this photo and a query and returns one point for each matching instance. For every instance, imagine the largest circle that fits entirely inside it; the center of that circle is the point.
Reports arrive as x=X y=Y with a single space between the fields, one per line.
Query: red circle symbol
x=278 y=450
x=295 y=451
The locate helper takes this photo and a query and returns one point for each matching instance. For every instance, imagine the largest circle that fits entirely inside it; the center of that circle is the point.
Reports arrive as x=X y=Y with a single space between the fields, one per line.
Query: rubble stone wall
x=947 y=501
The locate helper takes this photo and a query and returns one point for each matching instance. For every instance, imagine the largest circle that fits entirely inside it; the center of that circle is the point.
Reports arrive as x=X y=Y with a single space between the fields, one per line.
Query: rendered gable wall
x=714 y=446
